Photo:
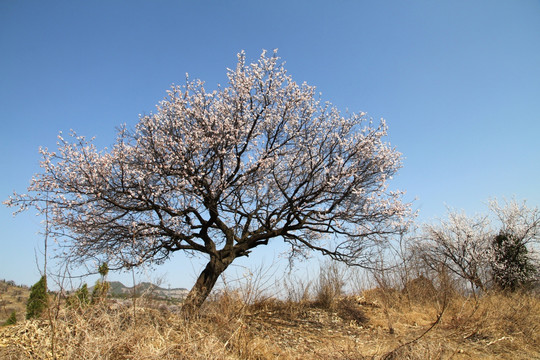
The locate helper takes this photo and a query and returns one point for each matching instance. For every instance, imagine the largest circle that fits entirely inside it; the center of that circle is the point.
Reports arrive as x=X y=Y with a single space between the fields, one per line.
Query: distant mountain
x=118 y=289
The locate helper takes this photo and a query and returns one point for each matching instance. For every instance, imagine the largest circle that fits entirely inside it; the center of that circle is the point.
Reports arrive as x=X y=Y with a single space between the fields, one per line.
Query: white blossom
x=221 y=172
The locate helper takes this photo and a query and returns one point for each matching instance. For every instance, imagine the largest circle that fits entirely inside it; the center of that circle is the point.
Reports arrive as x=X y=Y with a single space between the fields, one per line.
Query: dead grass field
x=12 y=298
x=377 y=324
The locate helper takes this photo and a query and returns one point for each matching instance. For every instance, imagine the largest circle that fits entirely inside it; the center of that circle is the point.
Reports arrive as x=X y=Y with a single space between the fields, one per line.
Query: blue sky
x=458 y=83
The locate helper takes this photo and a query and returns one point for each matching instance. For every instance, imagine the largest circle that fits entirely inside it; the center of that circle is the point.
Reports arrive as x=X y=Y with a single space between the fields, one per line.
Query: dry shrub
x=223 y=306
x=379 y=297
x=420 y=290
x=297 y=290
x=499 y=322
x=116 y=329
x=105 y=332
x=329 y=285
x=496 y=325
x=224 y=315
x=428 y=348
x=281 y=309
x=390 y=301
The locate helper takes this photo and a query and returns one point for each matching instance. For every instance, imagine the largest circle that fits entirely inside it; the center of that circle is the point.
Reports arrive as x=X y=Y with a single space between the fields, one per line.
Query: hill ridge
x=117 y=288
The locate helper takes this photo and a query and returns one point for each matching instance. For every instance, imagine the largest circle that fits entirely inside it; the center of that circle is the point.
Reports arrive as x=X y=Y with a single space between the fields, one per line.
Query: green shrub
x=100 y=291
x=513 y=268
x=38 y=300
x=82 y=294
x=103 y=270
x=102 y=286
x=12 y=319
x=80 y=298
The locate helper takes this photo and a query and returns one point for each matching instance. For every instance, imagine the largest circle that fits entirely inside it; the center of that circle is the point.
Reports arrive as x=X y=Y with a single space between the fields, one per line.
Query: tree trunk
x=204 y=285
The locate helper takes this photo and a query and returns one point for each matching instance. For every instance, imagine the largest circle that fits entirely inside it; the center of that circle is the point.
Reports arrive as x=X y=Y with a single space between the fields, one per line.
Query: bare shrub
x=329 y=285
x=296 y=289
x=420 y=290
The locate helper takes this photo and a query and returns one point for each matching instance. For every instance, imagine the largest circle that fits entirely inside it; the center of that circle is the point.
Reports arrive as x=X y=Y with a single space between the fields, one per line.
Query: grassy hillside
x=375 y=324
x=12 y=298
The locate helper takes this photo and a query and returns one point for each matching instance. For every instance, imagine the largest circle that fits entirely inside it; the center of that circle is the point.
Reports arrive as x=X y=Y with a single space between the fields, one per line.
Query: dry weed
x=499 y=323
x=496 y=326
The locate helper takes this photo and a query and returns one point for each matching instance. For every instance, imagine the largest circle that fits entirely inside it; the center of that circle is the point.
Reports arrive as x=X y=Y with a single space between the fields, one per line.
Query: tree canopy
x=220 y=173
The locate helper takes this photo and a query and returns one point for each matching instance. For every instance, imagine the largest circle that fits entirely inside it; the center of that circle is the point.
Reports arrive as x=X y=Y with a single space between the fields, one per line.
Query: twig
x=501 y=339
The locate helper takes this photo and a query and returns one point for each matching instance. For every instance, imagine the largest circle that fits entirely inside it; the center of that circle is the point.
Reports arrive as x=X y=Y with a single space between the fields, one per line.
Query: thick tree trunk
x=204 y=285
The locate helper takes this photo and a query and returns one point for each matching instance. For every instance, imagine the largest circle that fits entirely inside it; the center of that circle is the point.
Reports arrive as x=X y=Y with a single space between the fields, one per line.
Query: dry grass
x=377 y=324
x=499 y=324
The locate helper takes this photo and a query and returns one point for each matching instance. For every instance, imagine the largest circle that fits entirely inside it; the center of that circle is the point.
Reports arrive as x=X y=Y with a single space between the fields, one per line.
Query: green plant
x=38 y=300
x=512 y=267
x=103 y=269
x=82 y=294
x=100 y=291
x=81 y=297
x=102 y=286
x=11 y=320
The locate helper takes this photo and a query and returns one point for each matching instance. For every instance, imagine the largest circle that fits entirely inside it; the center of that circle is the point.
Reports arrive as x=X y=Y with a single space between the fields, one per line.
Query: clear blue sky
x=457 y=81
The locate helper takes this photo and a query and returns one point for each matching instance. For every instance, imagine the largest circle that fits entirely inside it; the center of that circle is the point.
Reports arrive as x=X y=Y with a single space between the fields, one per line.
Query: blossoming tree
x=500 y=250
x=220 y=173
x=460 y=244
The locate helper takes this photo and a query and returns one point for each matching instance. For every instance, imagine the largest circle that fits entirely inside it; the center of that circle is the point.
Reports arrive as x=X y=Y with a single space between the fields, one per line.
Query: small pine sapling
x=38 y=300
x=11 y=320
